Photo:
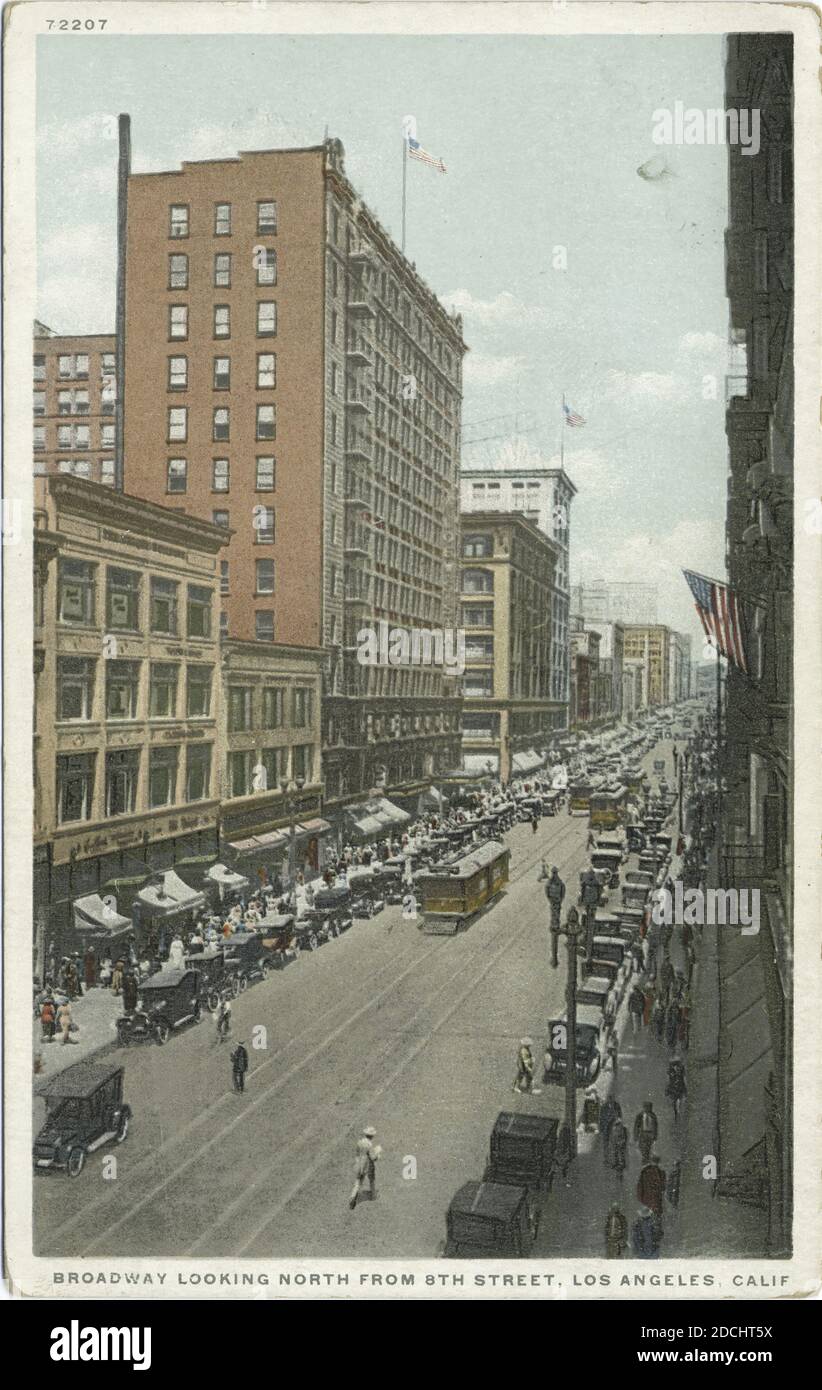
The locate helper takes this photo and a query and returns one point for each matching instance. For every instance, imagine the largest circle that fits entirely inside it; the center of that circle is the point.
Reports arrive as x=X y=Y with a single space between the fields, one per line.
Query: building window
x=81 y=402
x=198 y=692
x=220 y=475
x=479 y=649
x=75 y=687
x=178 y=220
x=199 y=611
x=222 y=373
x=477 y=582
x=39 y=366
x=239 y=774
x=106 y=436
x=178 y=272
x=267 y=319
x=222 y=271
x=178 y=320
x=222 y=219
x=122 y=773
x=266 y=369
x=162 y=776
x=164 y=606
x=266 y=262
x=478 y=547
x=220 y=518
x=303 y=761
x=272 y=708
x=39 y=402
x=222 y=321
x=81 y=365
x=221 y=424
x=239 y=708
x=198 y=772
x=272 y=761
x=477 y=615
x=265 y=473
x=82 y=436
x=177 y=424
x=264 y=571
x=223 y=614
x=301 y=707
x=39 y=438
x=122 y=685
x=65 y=366
x=75 y=787
x=122 y=599
x=108 y=364
x=163 y=690
x=81 y=468
x=178 y=373
x=266 y=422
x=224 y=589
x=176 y=475
x=64 y=436
x=107 y=472
x=76 y=585
x=267 y=218
x=264 y=625
x=264 y=525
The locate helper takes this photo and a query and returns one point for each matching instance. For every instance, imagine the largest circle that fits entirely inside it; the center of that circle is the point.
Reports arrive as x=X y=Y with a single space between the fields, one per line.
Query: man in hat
x=239 y=1066
x=524 y=1081
x=365 y=1166
x=650 y=1188
x=646 y=1128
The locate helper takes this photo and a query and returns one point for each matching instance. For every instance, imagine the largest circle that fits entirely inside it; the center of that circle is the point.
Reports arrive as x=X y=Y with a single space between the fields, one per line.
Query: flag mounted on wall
x=725 y=621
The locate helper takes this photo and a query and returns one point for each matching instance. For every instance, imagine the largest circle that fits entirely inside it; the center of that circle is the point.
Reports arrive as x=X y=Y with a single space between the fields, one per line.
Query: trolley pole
x=571 y=932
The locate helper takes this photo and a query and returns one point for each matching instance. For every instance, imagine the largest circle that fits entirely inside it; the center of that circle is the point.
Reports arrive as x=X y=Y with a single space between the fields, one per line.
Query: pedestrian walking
x=646 y=1129
x=636 y=1007
x=130 y=991
x=638 y=957
x=612 y=1050
x=90 y=967
x=524 y=1081
x=646 y=1235
x=117 y=975
x=609 y=1111
x=649 y=995
x=651 y=1185
x=239 y=1067
x=616 y=1233
x=590 y=1110
x=676 y=1088
x=365 y=1167
x=64 y=1022
x=222 y=1019
x=617 y=1149
x=658 y=1019
x=534 y=823
x=48 y=1015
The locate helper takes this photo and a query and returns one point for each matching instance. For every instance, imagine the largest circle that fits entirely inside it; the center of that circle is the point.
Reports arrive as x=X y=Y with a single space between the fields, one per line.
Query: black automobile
x=490 y=1219
x=367 y=896
x=166 y=1001
x=246 y=960
x=588 y=1057
x=84 y=1109
x=278 y=937
x=214 y=978
x=523 y=1150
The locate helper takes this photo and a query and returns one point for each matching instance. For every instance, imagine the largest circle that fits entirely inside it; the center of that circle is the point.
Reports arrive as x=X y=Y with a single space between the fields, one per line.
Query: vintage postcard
x=412 y=535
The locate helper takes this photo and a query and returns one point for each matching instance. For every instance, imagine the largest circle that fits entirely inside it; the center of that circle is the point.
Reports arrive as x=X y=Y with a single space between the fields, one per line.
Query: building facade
x=290 y=374
x=508 y=583
x=634 y=697
x=544 y=497
x=755 y=972
x=650 y=644
x=616 y=602
x=586 y=676
x=74 y=404
x=611 y=660
x=127 y=694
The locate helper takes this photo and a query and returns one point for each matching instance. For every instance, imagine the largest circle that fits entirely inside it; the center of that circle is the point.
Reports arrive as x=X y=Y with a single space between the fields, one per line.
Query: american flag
x=722 y=617
x=416 y=151
x=571 y=418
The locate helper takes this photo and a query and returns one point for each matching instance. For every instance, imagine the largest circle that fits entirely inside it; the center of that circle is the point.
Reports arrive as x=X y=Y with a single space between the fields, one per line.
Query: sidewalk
x=95 y=1014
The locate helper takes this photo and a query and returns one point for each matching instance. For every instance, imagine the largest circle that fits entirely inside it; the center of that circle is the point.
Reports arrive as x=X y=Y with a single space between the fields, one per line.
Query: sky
x=575 y=273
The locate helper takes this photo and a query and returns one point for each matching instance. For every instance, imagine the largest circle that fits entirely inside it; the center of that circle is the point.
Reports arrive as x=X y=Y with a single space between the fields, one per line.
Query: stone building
x=74 y=403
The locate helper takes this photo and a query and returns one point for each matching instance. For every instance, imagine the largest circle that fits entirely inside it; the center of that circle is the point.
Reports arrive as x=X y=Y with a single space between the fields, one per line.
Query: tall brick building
x=290 y=375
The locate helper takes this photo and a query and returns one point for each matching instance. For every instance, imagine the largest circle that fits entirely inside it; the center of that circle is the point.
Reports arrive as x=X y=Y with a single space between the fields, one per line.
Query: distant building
x=508 y=582
x=74 y=403
x=650 y=643
x=634 y=693
x=585 y=674
x=611 y=659
x=618 y=602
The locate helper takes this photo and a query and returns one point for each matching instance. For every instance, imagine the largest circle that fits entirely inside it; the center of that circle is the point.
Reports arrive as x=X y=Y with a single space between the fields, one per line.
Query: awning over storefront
x=94 y=917
x=430 y=798
x=169 y=897
x=525 y=762
x=375 y=817
x=314 y=827
x=270 y=840
x=226 y=878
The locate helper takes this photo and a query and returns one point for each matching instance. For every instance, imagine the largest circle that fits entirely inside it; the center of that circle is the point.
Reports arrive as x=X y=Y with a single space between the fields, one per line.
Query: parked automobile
x=246 y=959
x=84 y=1110
x=488 y=1219
x=588 y=1058
x=523 y=1149
x=214 y=978
x=167 y=1000
x=278 y=936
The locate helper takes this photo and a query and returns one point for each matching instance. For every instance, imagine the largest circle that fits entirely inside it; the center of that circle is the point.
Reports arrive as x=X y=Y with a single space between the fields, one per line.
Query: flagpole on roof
x=404 y=176
x=562 y=436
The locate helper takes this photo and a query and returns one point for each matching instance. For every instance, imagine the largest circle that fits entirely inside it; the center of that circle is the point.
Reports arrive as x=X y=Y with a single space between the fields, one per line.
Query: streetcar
x=579 y=798
x=608 y=808
x=453 y=893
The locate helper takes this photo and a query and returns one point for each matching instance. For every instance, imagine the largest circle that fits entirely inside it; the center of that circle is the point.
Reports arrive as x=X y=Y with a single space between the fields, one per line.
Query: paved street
x=414 y=1034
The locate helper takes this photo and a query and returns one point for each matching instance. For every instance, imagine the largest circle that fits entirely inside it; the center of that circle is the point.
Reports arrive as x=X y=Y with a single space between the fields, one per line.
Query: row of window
x=76 y=679
x=73 y=365
x=221 y=320
x=264 y=477
x=77 y=600
x=221 y=372
x=265 y=426
x=76 y=402
x=241 y=707
x=74 y=437
x=179 y=217
x=264 y=262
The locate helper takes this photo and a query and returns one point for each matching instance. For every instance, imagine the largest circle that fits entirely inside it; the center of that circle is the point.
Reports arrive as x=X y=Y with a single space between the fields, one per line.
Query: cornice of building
x=95 y=502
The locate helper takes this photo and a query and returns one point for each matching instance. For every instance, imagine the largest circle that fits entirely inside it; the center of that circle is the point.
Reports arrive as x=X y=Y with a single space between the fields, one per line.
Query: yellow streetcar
x=608 y=808
x=454 y=893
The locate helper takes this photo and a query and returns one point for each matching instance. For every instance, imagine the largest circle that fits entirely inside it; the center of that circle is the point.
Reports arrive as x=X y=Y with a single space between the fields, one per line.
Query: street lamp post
x=571 y=932
x=291 y=803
